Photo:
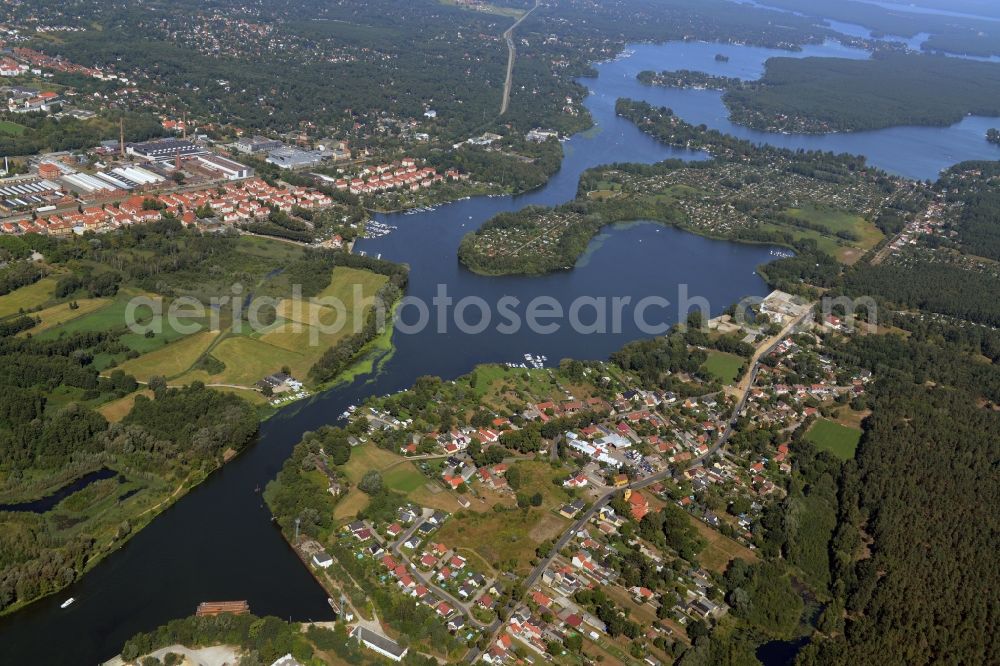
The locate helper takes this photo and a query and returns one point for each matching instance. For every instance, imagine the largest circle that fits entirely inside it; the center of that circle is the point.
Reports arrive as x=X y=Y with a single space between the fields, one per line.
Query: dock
x=210 y=608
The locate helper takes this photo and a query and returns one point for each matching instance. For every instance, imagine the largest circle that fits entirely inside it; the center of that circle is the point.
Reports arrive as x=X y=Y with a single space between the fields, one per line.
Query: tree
x=371 y=483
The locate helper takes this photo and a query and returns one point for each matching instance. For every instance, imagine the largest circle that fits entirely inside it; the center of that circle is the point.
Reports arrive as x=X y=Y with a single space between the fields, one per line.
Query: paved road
x=511 y=55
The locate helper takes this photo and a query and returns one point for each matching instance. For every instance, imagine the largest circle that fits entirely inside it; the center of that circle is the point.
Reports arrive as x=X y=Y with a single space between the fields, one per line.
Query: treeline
x=19 y=274
x=931 y=286
x=686 y=78
x=45 y=133
x=657 y=359
x=295 y=492
x=265 y=639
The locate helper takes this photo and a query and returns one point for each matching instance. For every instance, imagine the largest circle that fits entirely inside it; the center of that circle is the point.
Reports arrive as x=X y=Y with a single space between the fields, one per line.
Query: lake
x=218 y=542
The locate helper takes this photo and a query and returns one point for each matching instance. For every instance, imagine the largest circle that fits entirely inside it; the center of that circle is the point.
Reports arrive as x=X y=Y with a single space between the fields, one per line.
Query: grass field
x=404 y=478
x=112 y=317
x=116 y=410
x=834 y=221
x=839 y=440
x=501 y=538
x=345 y=285
x=62 y=313
x=721 y=550
x=247 y=362
x=173 y=359
x=537 y=478
x=11 y=128
x=27 y=297
x=367 y=457
x=724 y=367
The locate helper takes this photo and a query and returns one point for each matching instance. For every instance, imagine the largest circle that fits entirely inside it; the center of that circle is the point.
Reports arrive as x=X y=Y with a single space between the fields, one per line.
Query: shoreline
x=672 y=225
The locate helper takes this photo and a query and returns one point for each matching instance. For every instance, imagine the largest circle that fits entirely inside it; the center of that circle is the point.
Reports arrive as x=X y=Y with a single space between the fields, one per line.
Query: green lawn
x=724 y=367
x=839 y=440
x=835 y=221
x=11 y=128
x=404 y=478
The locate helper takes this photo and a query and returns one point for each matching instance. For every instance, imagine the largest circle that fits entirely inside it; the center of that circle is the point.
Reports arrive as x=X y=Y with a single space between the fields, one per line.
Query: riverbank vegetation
x=164 y=445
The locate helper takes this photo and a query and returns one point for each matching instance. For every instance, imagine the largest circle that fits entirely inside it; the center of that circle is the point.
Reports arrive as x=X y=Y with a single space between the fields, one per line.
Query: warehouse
x=228 y=168
x=166 y=150
x=257 y=144
x=293 y=158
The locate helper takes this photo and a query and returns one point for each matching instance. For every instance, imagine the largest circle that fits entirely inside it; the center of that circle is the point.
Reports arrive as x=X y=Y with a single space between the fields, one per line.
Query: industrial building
x=28 y=192
x=166 y=150
x=257 y=144
x=293 y=158
x=228 y=168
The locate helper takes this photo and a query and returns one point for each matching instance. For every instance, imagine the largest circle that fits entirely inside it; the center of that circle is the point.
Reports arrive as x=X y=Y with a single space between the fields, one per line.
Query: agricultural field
x=839 y=440
x=723 y=366
x=27 y=297
x=173 y=359
x=62 y=313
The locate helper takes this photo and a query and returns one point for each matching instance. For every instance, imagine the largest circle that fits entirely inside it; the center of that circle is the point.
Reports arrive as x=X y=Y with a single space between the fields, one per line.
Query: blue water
x=914 y=43
x=914 y=152
x=49 y=501
x=931 y=11
x=218 y=542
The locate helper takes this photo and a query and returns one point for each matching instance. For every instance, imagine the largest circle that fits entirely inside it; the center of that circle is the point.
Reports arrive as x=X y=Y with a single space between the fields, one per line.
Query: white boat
x=67 y=603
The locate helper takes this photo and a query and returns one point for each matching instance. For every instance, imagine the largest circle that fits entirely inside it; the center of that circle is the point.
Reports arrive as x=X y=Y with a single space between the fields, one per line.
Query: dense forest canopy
x=840 y=94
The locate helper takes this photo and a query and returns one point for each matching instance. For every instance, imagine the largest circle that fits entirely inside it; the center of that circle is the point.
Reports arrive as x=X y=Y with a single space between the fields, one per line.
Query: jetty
x=210 y=608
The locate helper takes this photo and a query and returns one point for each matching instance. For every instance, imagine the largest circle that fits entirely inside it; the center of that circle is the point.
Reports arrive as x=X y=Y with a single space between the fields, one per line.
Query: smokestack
x=121 y=135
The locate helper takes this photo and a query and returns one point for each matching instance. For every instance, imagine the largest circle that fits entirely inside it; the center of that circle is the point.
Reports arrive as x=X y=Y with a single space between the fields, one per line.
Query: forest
x=975 y=186
x=922 y=474
x=931 y=286
x=818 y=95
x=178 y=433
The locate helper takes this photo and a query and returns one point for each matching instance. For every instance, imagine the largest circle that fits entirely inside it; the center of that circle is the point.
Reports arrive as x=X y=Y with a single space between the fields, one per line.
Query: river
x=218 y=542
